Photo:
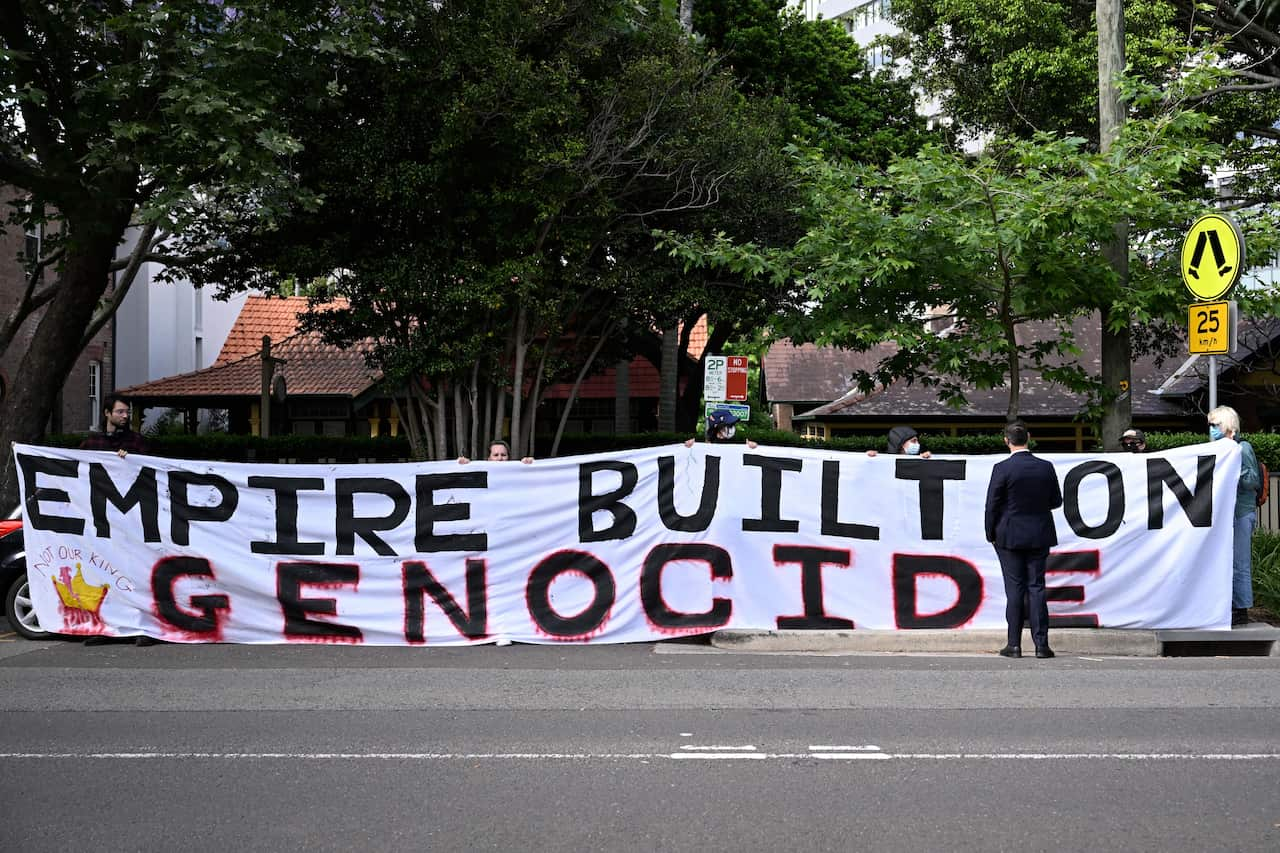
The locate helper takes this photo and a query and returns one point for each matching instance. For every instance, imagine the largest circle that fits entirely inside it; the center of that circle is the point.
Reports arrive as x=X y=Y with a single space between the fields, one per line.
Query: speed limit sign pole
x=1212 y=257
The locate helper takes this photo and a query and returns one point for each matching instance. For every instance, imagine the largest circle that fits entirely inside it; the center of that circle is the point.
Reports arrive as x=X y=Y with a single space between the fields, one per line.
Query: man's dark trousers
x=1023 y=571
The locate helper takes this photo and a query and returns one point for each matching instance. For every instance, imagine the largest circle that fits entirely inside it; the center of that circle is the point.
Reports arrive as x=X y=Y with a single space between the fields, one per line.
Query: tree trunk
x=517 y=380
x=52 y=354
x=1116 y=348
x=689 y=416
x=440 y=415
x=473 y=398
x=621 y=398
x=669 y=373
x=459 y=421
x=1015 y=372
x=577 y=384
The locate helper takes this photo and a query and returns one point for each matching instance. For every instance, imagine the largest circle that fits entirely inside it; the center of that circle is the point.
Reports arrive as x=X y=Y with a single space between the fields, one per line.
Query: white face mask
x=727 y=432
x=911 y=448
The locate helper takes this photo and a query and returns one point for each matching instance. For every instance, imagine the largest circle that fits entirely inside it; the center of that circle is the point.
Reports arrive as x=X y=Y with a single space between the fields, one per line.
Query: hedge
x=312 y=448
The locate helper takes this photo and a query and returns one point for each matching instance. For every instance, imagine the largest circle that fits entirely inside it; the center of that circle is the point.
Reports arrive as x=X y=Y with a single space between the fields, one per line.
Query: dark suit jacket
x=1022 y=492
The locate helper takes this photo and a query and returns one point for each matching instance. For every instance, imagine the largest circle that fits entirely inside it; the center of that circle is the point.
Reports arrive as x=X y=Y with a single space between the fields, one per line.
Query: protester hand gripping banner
x=634 y=546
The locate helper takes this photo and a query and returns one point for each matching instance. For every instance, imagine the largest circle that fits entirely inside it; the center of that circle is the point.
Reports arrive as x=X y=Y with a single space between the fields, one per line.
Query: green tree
x=833 y=98
x=121 y=114
x=489 y=196
x=991 y=243
x=997 y=66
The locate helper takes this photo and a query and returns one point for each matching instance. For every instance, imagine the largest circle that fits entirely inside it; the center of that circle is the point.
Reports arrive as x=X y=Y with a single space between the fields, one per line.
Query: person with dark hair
x=115 y=434
x=1021 y=496
x=499 y=451
x=1134 y=440
x=905 y=441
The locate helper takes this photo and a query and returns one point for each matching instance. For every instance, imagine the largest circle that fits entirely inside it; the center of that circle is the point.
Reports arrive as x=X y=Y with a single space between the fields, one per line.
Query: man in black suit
x=1020 y=498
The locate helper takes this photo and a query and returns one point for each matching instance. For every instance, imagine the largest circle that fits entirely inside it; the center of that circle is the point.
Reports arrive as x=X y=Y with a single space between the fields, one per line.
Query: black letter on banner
x=141 y=494
x=1197 y=506
x=931 y=473
x=655 y=607
x=286 y=489
x=830 y=503
x=419 y=582
x=165 y=575
x=771 y=468
x=429 y=512
x=538 y=594
x=907 y=568
x=347 y=526
x=1115 y=499
x=811 y=561
x=33 y=465
x=182 y=513
x=701 y=519
x=624 y=518
x=292 y=577
x=1073 y=562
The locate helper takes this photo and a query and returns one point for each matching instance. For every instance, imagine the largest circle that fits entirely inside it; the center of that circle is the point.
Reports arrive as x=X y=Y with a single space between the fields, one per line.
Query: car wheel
x=20 y=612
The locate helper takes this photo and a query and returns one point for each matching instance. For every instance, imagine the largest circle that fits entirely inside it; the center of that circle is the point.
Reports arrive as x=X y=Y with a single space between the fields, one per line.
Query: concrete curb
x=1256 y=639
x=1065 y=641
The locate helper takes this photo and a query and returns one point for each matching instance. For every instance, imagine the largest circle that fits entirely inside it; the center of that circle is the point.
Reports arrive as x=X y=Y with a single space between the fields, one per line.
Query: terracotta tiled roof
x=263 y=315
x=698 y=338
x=311 y=367
x=1037 y=398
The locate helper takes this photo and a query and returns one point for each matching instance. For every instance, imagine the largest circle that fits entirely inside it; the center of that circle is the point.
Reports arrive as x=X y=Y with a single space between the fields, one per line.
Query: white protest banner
x=639 y=545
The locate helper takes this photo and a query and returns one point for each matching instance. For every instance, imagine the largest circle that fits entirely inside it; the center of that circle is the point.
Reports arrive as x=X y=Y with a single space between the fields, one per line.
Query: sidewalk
x=1255 y=639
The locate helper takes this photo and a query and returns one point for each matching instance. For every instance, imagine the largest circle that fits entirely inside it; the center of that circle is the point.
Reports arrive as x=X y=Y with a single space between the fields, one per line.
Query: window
x=95 y=392
x=31 y=247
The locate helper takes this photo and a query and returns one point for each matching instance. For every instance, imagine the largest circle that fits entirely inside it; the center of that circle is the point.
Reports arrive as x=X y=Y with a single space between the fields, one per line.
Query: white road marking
x=645 y=756
x=713 y=752
x=869 y=752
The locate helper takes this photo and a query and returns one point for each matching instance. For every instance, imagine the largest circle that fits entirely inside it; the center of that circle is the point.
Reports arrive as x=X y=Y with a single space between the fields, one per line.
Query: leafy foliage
x=488 y=198
x=833 y=99
x=157 y=117
x=987 y=247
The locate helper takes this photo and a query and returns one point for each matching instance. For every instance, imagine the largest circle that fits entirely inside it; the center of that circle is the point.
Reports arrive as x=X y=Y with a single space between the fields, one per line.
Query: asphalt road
x=638 y=747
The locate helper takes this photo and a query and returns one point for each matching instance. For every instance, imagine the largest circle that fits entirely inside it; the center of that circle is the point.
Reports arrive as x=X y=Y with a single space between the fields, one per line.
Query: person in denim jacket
x=1224 y=423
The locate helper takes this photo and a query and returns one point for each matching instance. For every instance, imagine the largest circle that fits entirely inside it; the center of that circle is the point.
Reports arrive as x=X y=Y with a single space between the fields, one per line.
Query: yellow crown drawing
x=79 y=595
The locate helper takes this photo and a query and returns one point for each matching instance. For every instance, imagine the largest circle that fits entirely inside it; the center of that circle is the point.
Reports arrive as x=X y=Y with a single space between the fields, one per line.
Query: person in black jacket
x=904 y=441
x=116 y=434
x=1021 y=496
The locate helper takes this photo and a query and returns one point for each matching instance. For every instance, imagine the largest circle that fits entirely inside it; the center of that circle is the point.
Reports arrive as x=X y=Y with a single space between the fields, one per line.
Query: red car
x=13 y=581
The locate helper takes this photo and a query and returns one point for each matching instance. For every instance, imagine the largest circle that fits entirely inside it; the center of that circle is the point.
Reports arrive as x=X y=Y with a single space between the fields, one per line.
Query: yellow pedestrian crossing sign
x=1212 y=255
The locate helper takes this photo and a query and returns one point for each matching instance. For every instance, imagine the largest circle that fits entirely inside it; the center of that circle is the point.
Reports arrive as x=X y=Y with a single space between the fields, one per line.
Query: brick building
x=79 y=400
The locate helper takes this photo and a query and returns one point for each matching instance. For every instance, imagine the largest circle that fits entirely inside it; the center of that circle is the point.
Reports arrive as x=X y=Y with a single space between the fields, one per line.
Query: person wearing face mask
x=905 y=441
x=1134 y=440
x=722 y=425
x=1224 y=423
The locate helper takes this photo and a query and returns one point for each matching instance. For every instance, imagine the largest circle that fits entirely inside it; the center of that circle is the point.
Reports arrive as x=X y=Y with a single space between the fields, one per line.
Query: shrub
x=1266 y=570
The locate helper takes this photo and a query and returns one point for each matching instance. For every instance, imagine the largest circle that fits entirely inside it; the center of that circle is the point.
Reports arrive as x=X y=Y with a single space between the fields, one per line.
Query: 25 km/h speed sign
x=1211 y=328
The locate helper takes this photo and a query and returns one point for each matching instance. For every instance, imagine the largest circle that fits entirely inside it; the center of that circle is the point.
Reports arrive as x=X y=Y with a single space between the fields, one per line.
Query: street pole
x=268 y=367
x=1213 y=382
x=1116 y=346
